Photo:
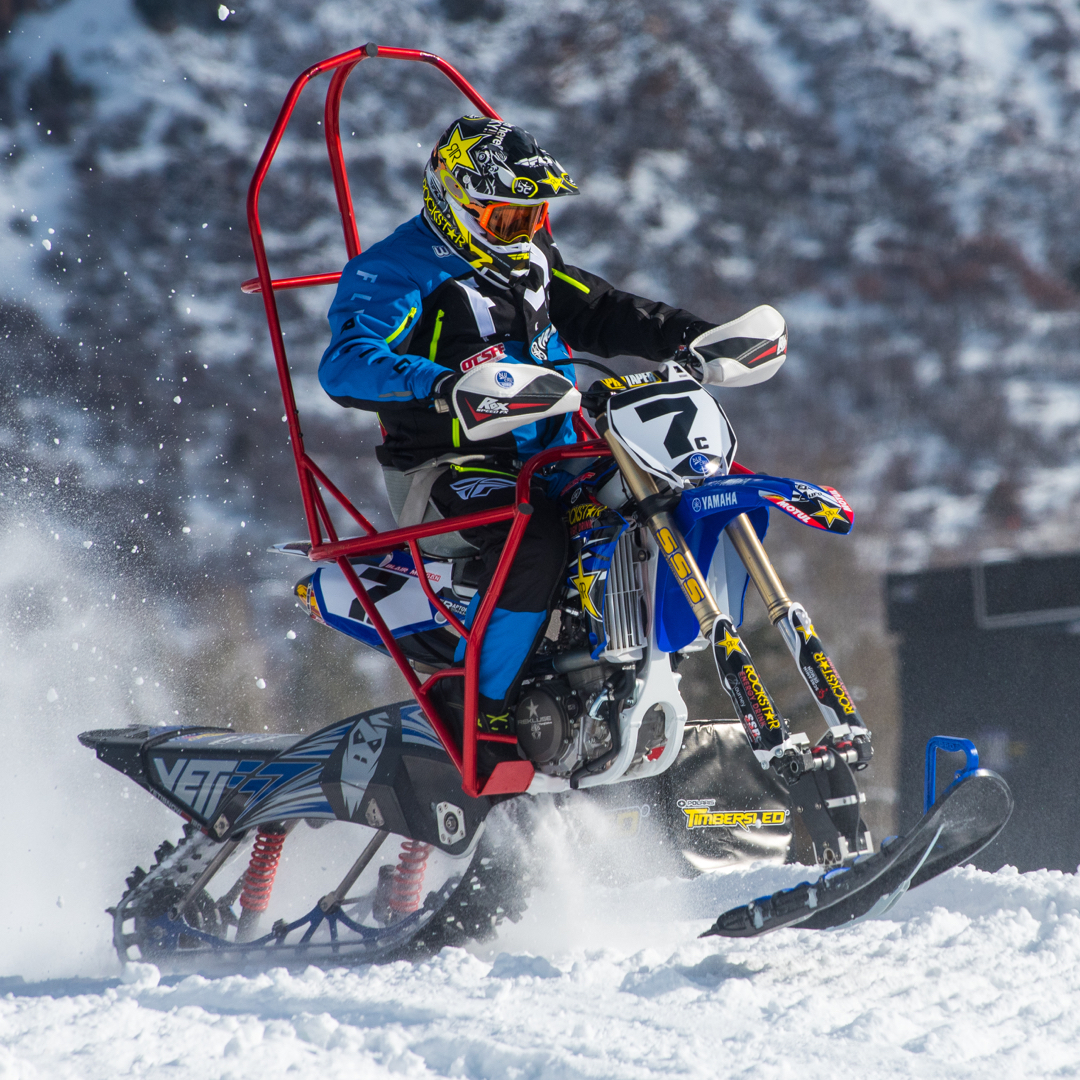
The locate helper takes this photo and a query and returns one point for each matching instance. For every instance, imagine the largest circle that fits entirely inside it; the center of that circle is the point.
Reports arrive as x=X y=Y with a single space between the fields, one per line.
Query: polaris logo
x=493 y=406
x=720 y=501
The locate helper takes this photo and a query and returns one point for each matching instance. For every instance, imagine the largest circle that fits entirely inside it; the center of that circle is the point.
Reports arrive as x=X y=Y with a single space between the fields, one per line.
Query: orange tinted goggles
x=508 y=221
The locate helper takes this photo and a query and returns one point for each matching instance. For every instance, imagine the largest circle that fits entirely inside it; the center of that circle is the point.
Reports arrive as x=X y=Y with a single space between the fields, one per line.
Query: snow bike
x=666 y=530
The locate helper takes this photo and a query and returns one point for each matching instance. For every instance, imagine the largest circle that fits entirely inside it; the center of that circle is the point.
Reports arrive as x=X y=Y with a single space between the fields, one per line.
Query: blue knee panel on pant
x=507 y=644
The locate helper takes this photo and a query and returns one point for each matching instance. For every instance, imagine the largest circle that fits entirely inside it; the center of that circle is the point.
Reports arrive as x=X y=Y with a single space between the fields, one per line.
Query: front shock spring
x=408 y=878
x=259 y=879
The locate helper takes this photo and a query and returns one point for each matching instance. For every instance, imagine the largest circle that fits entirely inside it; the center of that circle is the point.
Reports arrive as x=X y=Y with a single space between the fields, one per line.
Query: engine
x=565 y=723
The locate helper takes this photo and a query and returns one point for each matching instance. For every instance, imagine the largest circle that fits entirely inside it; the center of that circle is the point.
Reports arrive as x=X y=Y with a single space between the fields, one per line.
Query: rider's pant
x=518 y=622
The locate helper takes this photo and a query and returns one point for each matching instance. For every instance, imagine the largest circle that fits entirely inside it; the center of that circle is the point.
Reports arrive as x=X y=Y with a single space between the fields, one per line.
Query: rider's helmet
x=486 y=191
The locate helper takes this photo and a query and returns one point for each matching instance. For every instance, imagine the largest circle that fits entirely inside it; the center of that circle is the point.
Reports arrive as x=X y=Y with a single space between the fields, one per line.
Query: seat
x=398 y=486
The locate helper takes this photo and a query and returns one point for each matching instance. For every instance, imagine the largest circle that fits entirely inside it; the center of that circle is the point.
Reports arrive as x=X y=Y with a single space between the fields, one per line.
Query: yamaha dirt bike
x=284 y=857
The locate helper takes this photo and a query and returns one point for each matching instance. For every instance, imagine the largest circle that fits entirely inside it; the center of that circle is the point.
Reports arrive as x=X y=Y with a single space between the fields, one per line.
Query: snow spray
x=78 y=652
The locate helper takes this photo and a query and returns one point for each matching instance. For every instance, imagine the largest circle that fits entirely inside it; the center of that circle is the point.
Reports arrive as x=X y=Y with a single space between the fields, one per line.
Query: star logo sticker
x=584 y=583
x=455 y=151
x=829 y=513
x=556 y=183
x=730 y=643
x=807 y=631
x=534 y=712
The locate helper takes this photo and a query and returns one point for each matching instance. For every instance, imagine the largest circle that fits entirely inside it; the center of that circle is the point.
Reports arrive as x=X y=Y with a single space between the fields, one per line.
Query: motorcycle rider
x=476 y=277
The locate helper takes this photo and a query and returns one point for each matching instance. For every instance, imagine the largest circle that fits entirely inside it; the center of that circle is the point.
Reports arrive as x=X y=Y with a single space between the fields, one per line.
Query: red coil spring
x=259 y=879
x=408 y=878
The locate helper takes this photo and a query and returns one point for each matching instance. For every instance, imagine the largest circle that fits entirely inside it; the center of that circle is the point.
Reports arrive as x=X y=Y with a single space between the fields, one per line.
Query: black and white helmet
x=486 y=191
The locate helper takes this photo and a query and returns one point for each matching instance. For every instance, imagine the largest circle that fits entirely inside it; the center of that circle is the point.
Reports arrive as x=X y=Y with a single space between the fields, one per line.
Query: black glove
x=595 y=399
x=690 y=360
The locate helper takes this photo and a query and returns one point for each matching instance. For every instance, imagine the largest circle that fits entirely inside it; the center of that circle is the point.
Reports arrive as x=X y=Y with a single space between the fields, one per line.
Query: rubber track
x=495 y=888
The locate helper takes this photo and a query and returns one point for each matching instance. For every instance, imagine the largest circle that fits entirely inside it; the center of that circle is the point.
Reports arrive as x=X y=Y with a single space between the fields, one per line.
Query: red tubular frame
x=509 y=776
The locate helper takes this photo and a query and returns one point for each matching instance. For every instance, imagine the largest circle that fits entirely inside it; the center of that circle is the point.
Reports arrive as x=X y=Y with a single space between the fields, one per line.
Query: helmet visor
x=510 y=221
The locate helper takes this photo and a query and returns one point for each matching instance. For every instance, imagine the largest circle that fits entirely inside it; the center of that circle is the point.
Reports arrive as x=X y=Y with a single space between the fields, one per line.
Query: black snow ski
x=961 y=823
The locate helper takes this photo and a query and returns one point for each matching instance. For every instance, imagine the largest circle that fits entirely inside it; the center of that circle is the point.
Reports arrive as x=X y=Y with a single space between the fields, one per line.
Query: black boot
x=493 y=718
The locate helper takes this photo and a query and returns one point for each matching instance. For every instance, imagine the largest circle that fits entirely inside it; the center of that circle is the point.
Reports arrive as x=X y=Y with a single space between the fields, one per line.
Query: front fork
x=848 y=738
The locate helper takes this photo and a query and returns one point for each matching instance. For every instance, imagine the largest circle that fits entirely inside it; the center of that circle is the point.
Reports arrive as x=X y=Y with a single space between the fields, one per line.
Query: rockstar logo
x=807 y=631
x=584 y=584
x=534 y=712
x=556 y=183
x=455 y=151
x=730 y=643
x=829 y=513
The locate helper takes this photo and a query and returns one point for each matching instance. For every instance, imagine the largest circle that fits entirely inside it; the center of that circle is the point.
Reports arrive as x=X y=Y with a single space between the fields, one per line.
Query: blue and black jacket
x=409 y=309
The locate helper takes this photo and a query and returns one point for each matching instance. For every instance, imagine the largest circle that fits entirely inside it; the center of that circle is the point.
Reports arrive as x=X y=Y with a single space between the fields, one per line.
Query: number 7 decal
x=677 y=440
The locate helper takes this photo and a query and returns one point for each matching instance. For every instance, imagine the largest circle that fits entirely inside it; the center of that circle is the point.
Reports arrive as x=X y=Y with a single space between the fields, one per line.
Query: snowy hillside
x=898 y=177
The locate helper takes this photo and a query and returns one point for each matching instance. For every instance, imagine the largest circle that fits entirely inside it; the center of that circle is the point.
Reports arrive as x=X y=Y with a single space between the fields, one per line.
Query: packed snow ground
x=971 y=974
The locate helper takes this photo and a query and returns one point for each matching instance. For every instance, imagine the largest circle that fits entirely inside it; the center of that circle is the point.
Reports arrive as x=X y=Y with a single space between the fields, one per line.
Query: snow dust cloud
x=76 y=652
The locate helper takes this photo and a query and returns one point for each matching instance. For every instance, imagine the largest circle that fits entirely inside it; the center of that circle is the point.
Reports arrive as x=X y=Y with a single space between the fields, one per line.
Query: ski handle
x=951 y=746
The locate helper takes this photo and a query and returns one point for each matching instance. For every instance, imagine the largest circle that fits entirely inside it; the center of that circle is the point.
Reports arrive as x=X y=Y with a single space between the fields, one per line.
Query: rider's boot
x=494 y=718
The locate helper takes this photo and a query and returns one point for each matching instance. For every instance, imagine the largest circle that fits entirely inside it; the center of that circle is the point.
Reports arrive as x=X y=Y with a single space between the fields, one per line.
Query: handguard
x=745 y=351
x=493 y=399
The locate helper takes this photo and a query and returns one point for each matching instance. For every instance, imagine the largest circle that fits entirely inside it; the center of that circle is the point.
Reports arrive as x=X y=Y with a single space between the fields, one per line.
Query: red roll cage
x=508 y=776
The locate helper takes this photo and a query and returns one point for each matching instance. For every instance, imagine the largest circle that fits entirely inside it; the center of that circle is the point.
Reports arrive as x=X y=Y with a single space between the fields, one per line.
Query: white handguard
x=494 y=398
x=745 y=351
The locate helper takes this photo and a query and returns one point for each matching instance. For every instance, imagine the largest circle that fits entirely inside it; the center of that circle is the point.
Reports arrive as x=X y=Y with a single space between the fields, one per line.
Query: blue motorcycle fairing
x=702 y=515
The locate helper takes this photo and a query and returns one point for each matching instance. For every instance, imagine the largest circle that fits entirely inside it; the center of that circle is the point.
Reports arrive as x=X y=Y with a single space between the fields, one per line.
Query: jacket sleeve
x=376 y=307
x=593 y=316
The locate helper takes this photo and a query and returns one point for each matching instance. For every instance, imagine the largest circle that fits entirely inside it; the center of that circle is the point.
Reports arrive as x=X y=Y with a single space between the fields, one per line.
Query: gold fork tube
x=668 y=535
x=759 y=566
x=641 y=484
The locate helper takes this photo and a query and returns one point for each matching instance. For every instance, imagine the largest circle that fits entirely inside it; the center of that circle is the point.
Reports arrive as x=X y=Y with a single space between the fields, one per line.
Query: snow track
x=973 y=972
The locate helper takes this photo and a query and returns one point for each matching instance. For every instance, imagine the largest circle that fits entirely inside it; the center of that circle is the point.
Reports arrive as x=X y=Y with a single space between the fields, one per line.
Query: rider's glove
x=690 y=360
x=441 y=390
